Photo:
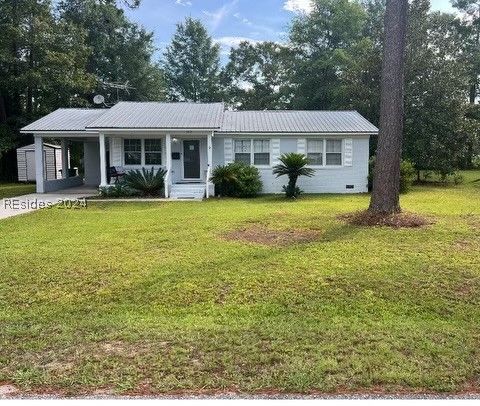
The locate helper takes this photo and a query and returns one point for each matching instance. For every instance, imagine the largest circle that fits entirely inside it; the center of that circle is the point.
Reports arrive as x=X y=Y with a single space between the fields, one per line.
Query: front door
x=191 y=159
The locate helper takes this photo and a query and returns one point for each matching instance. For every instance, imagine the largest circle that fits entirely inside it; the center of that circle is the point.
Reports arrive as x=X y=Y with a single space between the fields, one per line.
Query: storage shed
x=26 y=162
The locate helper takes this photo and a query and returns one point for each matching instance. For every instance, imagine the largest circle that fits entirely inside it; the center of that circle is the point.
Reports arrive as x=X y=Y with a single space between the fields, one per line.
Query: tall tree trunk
x=3 y=110
x=386 y=181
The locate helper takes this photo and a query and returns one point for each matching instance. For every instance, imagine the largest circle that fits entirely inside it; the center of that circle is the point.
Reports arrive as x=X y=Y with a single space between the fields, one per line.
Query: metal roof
x=186 y=116
x=31 y=147
x=291 y=121
x=153 y=115
x=64 y=120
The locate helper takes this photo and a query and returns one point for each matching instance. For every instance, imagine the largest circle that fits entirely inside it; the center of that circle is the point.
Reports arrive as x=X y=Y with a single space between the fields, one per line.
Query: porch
x=186 y=157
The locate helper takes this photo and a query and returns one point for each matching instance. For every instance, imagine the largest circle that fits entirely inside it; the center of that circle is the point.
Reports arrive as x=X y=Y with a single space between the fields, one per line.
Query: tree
x=293 y=165
x=435 y=126
x=192 y=64
x=320 y=41
x=42 y=66
x=257 y=76
x=121 y=51
x=386 y=180
x=470 y=28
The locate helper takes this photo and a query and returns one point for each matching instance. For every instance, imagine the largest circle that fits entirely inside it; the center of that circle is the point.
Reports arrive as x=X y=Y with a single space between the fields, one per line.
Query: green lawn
x=149 y=297
x=15 y=189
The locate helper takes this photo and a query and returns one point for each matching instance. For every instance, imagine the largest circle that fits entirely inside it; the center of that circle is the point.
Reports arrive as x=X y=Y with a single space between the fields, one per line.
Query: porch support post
x=209 y=163
x=39 y=164
x=65 y=158
x=103 y=161
x=168 y=164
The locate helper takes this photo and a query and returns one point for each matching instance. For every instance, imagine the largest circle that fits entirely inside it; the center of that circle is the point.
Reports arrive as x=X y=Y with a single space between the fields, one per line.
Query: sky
x=228 y=21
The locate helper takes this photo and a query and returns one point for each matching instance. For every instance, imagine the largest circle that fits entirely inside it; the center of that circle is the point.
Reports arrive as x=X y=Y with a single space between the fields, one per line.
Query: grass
x=15 y=189
x=151 y=297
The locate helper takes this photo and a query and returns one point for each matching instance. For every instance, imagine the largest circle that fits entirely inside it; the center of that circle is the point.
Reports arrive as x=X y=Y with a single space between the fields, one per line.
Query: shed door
x=30 y=161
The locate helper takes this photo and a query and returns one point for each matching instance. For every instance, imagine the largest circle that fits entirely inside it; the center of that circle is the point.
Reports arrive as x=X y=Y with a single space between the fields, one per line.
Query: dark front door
x=191 y=159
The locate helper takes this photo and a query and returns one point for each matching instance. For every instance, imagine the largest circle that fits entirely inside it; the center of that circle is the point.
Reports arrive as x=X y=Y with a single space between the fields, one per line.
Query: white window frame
x=324 y=154
x=142 y=153
x=252 y=152
x=152 y=152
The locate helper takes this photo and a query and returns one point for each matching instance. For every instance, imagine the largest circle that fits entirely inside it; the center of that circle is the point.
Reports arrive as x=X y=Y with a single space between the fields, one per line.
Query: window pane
x=261 y=158
x=153 y=152
x=315 y=146
x=242 y=146
x=334 y=145
x=153 y=158
x=133 y=158
x=334 y=159
x=153 y=145
x=133 y=151
x=315 y=158
x=241 y=157
x=261 y=145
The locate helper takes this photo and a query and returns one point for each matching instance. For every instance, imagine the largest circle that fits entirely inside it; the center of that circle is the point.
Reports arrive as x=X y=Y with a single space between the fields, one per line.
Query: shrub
x=407 y=175
x=117 y=190
x=147 y=182
x=224 y=178
x=458 y=178
x=236 y=180
x=292 y=165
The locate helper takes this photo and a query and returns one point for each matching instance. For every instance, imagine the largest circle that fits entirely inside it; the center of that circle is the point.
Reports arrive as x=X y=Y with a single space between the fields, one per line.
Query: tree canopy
x=192 y=64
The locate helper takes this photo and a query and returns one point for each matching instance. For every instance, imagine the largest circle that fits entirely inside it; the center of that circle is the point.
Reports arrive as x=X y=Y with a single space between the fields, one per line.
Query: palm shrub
x=236 y=179
x=147 y=182
x=225 y=179
x=293 y=165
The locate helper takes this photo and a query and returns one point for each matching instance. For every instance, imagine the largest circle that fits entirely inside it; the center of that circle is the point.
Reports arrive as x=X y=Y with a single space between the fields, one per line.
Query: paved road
x=14 y=206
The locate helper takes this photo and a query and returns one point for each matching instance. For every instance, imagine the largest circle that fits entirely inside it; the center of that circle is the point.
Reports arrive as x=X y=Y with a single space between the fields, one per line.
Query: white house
x=190 y=139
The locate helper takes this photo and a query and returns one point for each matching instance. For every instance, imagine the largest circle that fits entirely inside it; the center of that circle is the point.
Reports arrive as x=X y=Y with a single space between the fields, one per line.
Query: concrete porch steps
x=188 y=191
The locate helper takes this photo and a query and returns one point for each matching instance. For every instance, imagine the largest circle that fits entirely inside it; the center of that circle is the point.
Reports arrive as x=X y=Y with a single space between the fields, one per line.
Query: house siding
x=326 y=179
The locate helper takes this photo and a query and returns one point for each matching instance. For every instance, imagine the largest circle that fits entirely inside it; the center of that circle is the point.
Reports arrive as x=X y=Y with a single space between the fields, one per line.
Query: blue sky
x=228 y=21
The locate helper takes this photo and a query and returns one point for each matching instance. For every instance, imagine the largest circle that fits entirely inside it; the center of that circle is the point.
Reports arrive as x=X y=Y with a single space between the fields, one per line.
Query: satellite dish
x=99 y=99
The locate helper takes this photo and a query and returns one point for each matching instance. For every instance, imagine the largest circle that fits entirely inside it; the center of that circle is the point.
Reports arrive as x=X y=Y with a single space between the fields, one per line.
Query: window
x=133 y=151
x=153 y=152
x=243 y=150
x=315 y=152
x=324 y=152
x=261 y=152
x=256 y=151
x=334 y=152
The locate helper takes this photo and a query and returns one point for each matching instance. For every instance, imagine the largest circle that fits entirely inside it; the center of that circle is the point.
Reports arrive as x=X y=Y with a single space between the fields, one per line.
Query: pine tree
x=191 y=64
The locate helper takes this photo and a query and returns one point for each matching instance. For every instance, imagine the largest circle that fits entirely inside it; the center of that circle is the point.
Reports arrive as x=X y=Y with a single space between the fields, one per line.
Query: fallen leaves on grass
x=396 y=220
x=266 y=236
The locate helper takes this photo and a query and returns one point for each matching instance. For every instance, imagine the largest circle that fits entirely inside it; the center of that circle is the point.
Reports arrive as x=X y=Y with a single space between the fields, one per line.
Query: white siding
x=325 y=180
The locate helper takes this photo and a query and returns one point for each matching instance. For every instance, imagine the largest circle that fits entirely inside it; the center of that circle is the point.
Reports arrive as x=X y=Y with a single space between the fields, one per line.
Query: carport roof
x=64 y=120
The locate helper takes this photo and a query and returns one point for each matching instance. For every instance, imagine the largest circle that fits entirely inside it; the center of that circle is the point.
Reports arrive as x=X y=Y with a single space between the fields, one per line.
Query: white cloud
x=298 y=6
x=183 y=2
x=233 y=42
x=217 y=16
x=244 y=20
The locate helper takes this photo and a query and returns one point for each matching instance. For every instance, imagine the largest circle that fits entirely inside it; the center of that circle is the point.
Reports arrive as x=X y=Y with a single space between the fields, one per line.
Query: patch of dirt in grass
x=466 y=245
x=7 y=389
x=396 y=220
x=130 y=350
x=473 y=221
x=265 y=236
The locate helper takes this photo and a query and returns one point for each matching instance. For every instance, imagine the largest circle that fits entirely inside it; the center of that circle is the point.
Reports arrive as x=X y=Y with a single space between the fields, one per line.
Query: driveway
x=14 y=206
